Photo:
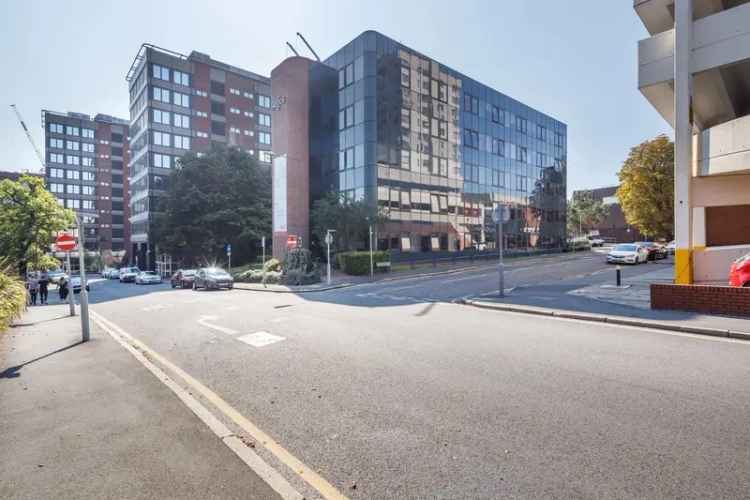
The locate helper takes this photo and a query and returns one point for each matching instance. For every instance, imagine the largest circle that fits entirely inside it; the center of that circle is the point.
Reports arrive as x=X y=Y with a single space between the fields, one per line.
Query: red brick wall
x=701 y=298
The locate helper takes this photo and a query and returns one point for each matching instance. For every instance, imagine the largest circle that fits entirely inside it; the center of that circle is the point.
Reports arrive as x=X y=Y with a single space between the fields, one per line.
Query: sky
x=575 y=61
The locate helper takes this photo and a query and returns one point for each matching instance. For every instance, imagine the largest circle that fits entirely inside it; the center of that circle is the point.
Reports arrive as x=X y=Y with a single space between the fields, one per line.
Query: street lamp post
x=372 y=267
x=329 y=240
x=85 y=327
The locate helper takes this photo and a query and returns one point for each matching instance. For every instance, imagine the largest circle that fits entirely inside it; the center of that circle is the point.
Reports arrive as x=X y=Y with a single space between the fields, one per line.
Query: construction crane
x=308 y=46
x=31 y=139
x=293 y=49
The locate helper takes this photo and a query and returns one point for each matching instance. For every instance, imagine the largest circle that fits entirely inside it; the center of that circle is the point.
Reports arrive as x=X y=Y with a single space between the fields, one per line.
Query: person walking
x=62 y=288
x=43 y=287
x=32 y=283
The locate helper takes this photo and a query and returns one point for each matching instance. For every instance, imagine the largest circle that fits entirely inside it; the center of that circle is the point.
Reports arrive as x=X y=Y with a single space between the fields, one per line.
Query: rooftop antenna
x=292 y=48
x=308 y=46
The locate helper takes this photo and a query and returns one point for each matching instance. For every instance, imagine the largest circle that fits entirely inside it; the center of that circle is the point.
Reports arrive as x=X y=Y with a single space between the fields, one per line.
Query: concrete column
x=683 y=126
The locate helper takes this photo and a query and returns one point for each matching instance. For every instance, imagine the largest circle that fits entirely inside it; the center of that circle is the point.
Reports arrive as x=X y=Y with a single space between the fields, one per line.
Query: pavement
x=86 y=420
x=393 y=389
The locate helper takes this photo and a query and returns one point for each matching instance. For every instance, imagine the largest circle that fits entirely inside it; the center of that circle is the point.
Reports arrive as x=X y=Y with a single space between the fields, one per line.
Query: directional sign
x=229 y=248
x=501 y=213
x=65 y=242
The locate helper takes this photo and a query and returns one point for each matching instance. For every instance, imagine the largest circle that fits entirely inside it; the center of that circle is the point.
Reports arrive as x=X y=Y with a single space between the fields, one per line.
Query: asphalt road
x=390 y=390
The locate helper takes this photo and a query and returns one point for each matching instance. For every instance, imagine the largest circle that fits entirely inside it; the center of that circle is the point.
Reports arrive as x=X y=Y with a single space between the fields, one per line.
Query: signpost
x=229 y=257
x=500 y=215
x=292 y=241
x=329 y=241
x=65 y=243
x=263 y=244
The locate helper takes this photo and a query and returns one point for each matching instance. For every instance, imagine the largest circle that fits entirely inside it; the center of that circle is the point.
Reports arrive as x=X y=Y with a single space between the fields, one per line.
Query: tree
x=585 y=213
x=29 y=218
x=222 y=197
x=351 y=220
x=647 y=188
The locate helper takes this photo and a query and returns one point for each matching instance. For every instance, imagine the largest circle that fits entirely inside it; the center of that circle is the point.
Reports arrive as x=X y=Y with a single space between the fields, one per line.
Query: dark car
x=655 y=251
x=212 y=278
x=183 y=278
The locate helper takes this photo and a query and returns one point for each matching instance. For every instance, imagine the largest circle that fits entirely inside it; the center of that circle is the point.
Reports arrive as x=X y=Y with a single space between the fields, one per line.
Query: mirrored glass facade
x=437 y=151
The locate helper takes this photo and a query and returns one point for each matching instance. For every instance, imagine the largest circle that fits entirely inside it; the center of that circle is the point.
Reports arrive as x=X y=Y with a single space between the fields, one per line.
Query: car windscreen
x=188 y=272
x=625 y=248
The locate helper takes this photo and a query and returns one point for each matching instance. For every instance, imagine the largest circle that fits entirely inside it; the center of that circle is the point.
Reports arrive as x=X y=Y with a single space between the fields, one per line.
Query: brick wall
x=701 y=298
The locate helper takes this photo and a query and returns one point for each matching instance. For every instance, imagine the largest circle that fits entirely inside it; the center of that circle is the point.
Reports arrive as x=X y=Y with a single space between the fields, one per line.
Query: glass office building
x=437 y=151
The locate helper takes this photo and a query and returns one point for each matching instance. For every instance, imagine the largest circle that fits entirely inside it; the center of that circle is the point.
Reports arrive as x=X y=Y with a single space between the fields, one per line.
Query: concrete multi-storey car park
x=695 y=70
x=87 y=170
x=435 y=149
x=182 y=103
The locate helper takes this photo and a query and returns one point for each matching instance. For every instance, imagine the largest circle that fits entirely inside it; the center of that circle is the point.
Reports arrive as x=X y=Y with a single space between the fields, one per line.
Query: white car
x=627 y=253
x=147 y=278
x=596 y=241
x=671 y=246
x=128 y=274
x=75 y=284
x=113 y=274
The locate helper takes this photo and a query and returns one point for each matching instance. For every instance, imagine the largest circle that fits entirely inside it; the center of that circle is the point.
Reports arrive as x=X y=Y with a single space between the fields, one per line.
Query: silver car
x=147 y=278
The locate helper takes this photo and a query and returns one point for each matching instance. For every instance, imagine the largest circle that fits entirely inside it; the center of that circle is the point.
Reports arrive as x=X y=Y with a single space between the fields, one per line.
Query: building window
x=248 y=95
x=87 y=162
x=234 y=111
x=234 y=91
x=541 y=159
x=181 y=78
x=181 y=142
x=70 y=130
x=72 y=145
x=56 y=188
x=521 y=124
x=264 y=138
x=521 y=183
x=162 y=161
x=161 y=139
x=56 y=128
x=541 y=133
x=87 y=204
x=87 y=147
x=201 y=93
x=182 y=121
x=73 y=189
x=160 y=72
x=346 y=117
x=56 y=158
x=264 y=101
x=471 y=104
x=181 y=99
x=498 y=147
x=56 y=143
x=217 y=108
x=73 y=160
x=498 y=115
x=201 y=114
x=218 y=128
x=234 y=130
x=57 y=173
x=558 y=139
x=471 y=138
x=346 y=75
x=405 y=76
x=439 y=128
x=88 y=133
x=264 y=156
x=72 y=175
x=201 y=134
x=88 y=190
x=346 y=159
x=217 y=88
x=161 y=95
x=521 y=154
x=264 y=119
x=161 y=117
x=75 y=204
x=249 y=114
x=88 y=176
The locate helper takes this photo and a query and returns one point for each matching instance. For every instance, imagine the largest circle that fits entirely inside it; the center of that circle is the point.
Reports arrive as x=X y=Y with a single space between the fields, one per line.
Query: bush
x=257 y=275
x=12 y=299
x=272 y=265
x=299 y=268
x=358 y=263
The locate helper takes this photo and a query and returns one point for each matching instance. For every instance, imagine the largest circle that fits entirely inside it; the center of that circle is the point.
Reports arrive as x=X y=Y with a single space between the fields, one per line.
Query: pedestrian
x=32 y=283
x=43 y=284
x=62 y=288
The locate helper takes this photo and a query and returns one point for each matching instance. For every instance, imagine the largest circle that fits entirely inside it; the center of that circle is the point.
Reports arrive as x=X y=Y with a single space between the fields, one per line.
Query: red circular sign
x=65 y=242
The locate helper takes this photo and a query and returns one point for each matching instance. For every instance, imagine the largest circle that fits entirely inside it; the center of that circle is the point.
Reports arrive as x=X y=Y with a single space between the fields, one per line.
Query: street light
x=329 y=240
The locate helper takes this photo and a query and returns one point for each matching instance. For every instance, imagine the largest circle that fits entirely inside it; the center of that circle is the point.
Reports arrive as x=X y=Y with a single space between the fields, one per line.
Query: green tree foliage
x=12 y=296
x=350 y=219
x=585 y=213
x=647 y=187
x=219 y=198
x=29 y=218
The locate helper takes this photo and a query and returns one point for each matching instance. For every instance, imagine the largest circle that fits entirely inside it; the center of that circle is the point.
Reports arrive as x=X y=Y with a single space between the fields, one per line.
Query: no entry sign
x=292 y=241
x=65 y=242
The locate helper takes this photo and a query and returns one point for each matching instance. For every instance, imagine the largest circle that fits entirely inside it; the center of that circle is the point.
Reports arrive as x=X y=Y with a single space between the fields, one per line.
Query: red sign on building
x=292 y=241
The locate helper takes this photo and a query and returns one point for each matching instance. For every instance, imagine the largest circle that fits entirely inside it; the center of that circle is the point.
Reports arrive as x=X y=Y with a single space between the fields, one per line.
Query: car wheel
x=195 y=286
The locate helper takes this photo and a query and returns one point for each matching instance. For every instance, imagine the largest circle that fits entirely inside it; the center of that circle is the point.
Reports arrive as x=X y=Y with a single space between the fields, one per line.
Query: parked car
x=671 y=247
x=128 y=274
x=655 y=251
x=75 y=284
x=212 y=277
x=113 y=274
x=627 y=253
x=577 y=244
x=54 y=276
x=147 y=278
x=596 y=241
x=739 y=273
x=183 y=278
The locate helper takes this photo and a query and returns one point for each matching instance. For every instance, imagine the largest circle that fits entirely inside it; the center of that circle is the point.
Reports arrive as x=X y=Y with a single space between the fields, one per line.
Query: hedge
x=12 y=299
x=358 y=263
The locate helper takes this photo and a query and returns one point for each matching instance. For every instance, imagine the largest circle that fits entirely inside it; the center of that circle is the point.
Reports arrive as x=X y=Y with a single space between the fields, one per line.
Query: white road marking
x=155 y=307
x=260 y=339
x=270 y=475
x=204 y=321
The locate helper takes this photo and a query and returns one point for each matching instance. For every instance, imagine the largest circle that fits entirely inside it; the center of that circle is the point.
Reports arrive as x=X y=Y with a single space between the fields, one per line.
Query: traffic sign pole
x=71 y=304
x=85 y=326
